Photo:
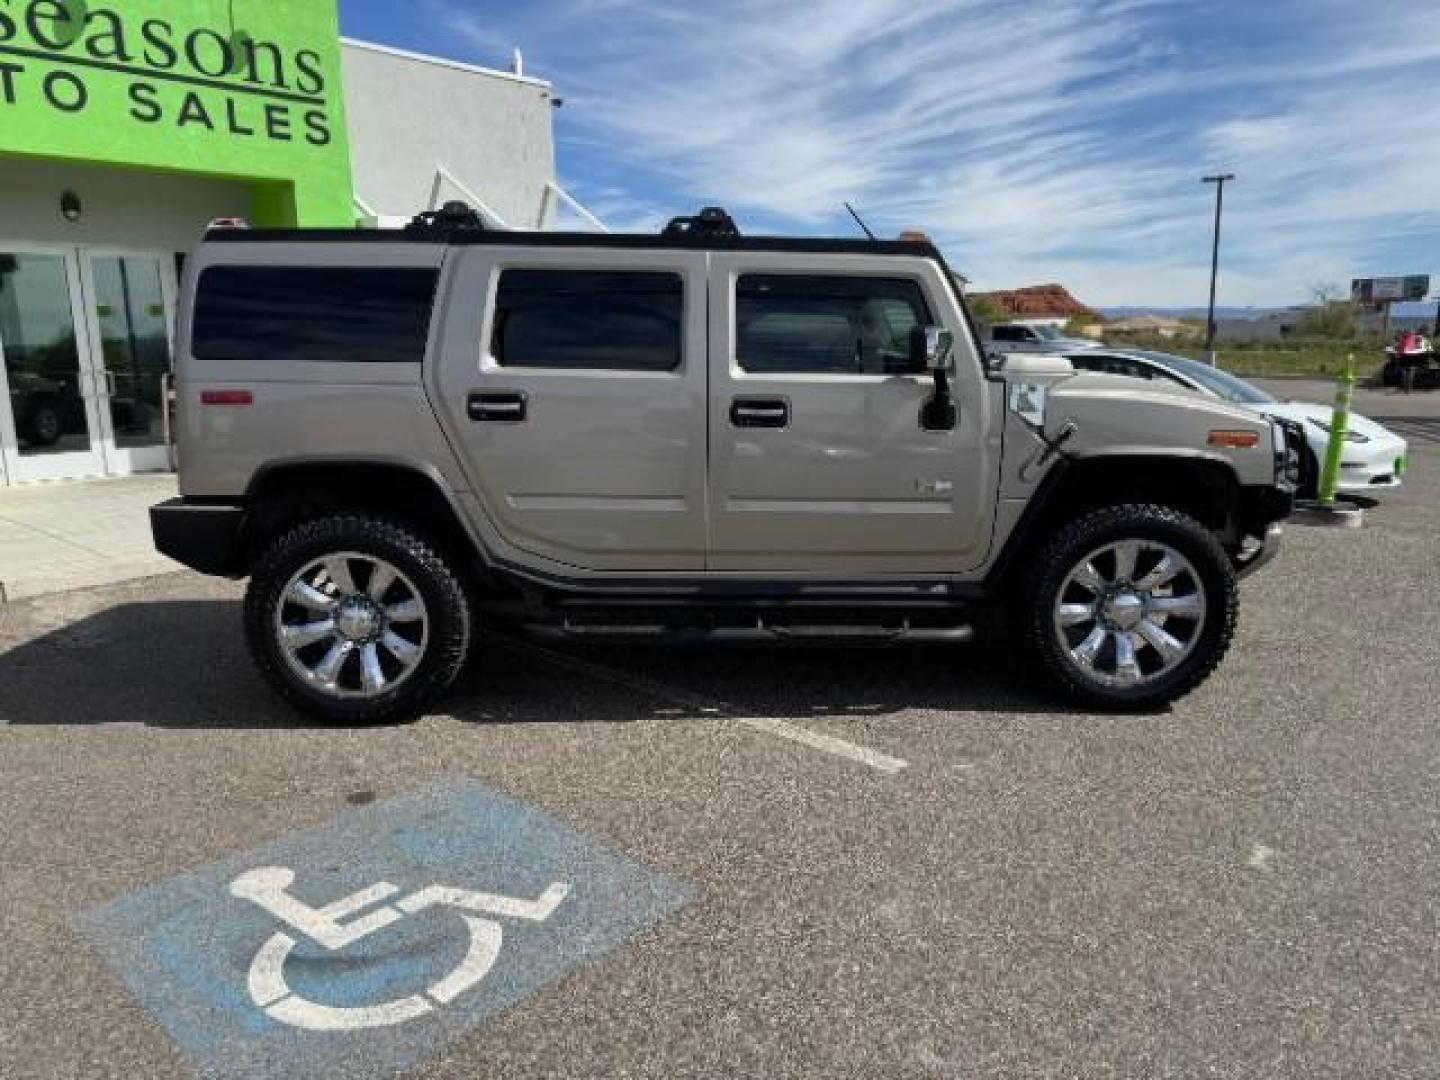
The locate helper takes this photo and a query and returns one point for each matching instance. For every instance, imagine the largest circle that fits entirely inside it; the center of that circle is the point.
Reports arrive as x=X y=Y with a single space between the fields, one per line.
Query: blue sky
x=1049 y=141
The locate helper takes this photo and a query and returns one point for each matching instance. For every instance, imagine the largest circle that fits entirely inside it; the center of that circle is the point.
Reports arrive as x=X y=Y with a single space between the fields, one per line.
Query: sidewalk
x=79 y=534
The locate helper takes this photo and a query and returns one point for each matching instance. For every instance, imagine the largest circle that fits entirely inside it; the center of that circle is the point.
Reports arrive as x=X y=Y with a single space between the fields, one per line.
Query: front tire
x=357 y=620
x=1131 y=607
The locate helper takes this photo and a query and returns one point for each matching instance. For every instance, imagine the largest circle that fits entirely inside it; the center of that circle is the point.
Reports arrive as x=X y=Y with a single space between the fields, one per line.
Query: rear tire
x=357 y=620
x=1131 y=607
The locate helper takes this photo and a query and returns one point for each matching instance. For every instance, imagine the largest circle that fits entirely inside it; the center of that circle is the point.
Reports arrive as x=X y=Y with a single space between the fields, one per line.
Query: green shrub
x=1321 y=358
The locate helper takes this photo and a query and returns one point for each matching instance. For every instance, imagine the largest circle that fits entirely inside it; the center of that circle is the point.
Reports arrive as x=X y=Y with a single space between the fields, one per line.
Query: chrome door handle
x=760 y=413
x=501 y=407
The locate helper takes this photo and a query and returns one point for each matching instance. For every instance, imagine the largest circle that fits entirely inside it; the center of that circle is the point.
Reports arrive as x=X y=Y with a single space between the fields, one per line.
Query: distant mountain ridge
x=1040 y=301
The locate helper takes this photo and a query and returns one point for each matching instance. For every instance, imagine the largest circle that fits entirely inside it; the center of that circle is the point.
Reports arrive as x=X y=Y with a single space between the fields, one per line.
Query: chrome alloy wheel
x=352 y=625
x=1130 y=612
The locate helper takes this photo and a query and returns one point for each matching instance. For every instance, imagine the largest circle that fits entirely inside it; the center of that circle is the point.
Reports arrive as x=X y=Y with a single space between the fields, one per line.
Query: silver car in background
x=1025 y=338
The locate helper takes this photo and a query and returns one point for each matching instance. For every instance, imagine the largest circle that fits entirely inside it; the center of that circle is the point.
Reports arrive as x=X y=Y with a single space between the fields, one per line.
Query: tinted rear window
x=305 y=314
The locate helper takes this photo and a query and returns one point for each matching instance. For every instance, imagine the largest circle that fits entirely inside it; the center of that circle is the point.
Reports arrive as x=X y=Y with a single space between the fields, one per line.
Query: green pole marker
x=1339 y=430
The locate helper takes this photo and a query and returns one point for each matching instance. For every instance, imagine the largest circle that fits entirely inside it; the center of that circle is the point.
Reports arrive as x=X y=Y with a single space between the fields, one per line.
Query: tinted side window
x=1110 y=365
x=1119 y=365
x=298 y=314
x=588 y=320
x=1006 y=333
x=828 y=325
x=1161 y=375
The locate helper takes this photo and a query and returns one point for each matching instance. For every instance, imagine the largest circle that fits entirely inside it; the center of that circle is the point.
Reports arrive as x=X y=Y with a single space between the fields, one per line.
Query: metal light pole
x=1219 y=182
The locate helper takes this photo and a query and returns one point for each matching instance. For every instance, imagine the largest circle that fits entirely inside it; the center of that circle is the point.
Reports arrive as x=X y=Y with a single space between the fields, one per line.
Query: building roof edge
x=440 y=61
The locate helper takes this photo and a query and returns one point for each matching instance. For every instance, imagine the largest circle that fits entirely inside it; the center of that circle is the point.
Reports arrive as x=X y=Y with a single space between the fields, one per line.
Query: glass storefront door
x=130 y=298
x=50 y=419
x=85 y=342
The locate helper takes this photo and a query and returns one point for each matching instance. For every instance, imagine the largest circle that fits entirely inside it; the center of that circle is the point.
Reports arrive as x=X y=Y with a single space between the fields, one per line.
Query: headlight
x=1288 y=438
x=1350 y=436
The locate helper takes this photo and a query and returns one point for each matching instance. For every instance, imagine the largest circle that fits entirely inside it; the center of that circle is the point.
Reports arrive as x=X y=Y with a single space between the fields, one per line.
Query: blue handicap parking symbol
x=364 y=946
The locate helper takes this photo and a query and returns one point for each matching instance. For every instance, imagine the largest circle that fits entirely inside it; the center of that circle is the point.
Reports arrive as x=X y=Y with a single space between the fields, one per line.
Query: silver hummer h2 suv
x=397 y=436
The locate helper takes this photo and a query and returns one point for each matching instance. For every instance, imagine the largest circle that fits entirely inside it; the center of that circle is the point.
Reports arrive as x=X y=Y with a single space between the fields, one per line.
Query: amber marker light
x=1235 y=440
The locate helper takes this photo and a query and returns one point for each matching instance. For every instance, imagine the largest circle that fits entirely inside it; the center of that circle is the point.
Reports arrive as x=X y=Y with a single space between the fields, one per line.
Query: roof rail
x=452 y=217
x=712 y=222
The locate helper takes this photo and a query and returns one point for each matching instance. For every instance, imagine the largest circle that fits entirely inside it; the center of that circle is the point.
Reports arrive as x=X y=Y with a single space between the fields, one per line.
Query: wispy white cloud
x=1062 y=140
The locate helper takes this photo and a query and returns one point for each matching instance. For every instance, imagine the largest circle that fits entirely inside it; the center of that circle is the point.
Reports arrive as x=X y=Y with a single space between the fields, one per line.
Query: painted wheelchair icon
x=269 y=888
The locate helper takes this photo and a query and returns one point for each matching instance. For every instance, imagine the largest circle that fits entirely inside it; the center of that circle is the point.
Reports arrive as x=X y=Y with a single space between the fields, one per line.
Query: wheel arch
x=1206 y=488
x=288 y=492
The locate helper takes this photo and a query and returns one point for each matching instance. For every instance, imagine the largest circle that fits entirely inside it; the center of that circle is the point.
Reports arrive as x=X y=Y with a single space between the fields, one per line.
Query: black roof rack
x=452 y=217
x=712 y=222
x=457 y=223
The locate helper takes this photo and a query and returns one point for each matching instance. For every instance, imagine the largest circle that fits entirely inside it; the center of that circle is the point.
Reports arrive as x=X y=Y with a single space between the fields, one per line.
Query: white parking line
x=828 y=744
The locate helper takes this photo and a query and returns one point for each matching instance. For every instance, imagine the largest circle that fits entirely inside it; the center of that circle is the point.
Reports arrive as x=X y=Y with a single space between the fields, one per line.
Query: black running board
x=759 y=632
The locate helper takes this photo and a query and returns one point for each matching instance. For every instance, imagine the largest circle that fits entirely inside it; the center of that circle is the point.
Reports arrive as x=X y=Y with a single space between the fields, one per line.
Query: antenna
x=860 y=221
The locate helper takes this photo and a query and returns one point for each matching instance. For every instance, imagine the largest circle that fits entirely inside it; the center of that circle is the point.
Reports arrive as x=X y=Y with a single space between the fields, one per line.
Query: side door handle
x=499 y=407
x=760 y=413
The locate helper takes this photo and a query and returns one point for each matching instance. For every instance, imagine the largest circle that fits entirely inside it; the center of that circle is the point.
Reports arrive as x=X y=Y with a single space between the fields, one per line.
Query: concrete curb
x=17 y=589
x=1341 y=515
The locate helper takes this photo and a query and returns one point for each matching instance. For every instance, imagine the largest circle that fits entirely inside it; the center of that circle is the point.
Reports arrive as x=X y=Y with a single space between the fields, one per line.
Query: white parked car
x=1374 y=458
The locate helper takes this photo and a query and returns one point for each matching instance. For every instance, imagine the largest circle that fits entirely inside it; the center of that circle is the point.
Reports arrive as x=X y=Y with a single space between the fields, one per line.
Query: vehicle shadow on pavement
x=696 y=683
x=175 y=664
x=183 y=665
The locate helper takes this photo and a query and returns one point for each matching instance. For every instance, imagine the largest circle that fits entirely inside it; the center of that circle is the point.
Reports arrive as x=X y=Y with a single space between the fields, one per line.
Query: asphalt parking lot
x=907 y=862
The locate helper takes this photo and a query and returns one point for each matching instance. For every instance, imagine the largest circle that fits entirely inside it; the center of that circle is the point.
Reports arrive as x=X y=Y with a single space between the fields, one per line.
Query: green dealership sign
x=241 y=89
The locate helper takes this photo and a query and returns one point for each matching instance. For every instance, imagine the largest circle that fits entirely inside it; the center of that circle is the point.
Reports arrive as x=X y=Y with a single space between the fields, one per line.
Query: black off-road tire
x=445 y=599
x=1057 y=558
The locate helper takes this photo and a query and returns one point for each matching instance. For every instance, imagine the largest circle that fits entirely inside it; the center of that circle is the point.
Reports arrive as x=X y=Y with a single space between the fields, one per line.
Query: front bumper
x=1262 y=506
x=1257 y=526
x=1262 y=556
x=203 y=536
x=1378 y=467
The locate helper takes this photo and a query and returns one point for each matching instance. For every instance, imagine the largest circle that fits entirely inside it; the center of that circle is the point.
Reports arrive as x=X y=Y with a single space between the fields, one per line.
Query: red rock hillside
x=1041 y=301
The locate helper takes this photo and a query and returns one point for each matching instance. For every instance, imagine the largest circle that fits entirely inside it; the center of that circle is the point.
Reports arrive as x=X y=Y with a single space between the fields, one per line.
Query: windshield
x=1049 y=333
x=1216 y=381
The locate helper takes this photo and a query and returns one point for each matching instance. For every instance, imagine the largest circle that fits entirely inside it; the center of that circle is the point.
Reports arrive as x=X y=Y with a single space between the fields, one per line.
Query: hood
x=1121 y=416
x=1301 y=411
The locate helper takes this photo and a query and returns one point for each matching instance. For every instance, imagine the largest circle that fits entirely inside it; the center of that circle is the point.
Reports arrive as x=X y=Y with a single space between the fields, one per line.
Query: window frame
x=913 y=280
x=490 y=362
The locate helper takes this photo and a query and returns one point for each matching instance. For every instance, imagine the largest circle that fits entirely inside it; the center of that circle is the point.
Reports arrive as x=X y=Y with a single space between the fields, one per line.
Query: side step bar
x=760 y=633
